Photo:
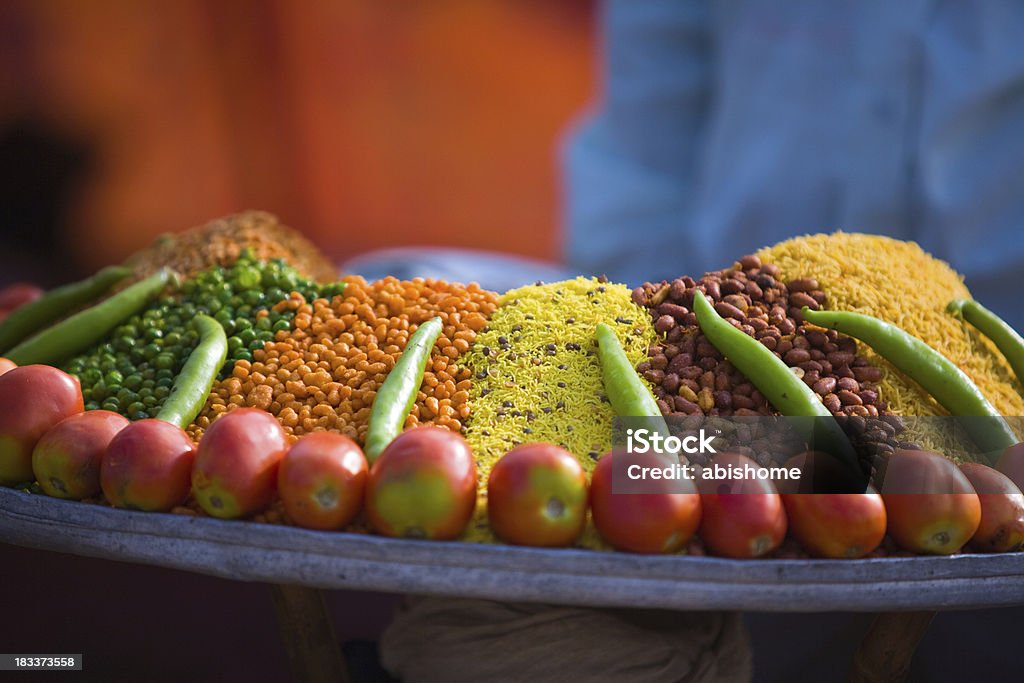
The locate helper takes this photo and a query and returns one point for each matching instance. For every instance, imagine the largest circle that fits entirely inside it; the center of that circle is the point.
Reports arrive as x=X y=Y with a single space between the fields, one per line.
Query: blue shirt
x=726 y=126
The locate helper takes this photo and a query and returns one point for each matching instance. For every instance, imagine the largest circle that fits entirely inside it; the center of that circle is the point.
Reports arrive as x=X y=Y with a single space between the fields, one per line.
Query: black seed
x=595 y=455
x=482 y=374
x=546 y=409
x=507 y=404
x=563 y=366
x=516 y=413
x=561 y=385
x=570 y=321
x=484 y=432
x=527 y=430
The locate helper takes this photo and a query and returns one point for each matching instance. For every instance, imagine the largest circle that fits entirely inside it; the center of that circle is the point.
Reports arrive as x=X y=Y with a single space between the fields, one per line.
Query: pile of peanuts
x=324 y=373
x=691 y=377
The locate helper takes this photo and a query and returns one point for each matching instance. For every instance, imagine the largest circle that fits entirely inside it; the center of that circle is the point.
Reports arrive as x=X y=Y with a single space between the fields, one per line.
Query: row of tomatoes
x=424 y=484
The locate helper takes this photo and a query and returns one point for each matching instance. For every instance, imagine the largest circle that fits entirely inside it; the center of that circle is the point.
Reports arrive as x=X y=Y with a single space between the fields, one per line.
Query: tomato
x=659 y=520
x=18 y=294
x=423 y=485
x=835 y=525
x=322 y=479
x=66 y=461
x=235 y=472
x=33 y=398
x=148 y=466
x=537 y=495
x=931 y=506
x=6 y=365
x=1011 y=463
x=1001 y=528
x=743 y=517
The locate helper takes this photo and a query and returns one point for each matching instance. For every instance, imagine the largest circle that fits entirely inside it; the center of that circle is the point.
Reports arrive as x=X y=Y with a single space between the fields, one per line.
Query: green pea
x=282 y=325
x=92 y=405
x=149 y=401
x=91 y=376
x=165 y=382
x=252 y=297
x=247 y=336
x=145 y=392
x=165 y=361
x=264 y=323
x=142 y=415
x=234 y=343
x=161 y=392
x=172 y=339
x=111 y=403
x=132 y=382
x=135 y=407
x=244 y=354
x=247 y=278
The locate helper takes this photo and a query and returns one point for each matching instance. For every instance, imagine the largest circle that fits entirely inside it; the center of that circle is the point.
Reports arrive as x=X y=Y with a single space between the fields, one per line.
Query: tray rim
x=338 y=560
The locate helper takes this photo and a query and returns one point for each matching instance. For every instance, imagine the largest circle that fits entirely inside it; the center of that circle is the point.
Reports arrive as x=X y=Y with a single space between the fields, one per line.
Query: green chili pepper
x=627 y=393
x=935 y=373
x=193 y=384
x=29 y=318
x=783 y=389
x=396 y=396
x=85 y=328
x=1006 y=339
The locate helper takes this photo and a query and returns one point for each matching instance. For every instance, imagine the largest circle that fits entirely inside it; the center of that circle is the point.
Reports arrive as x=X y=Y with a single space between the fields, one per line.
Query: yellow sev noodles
x=900 y=283
x=543 y=379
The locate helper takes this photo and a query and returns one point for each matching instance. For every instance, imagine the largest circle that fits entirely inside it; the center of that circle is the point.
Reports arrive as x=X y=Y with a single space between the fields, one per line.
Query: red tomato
x=33 y=398
x=659 y=521
x=18 y=294
x=931 y=506
x=1001 y=529
x=835 y=525
x=322 y=480
x=148 y=466
x=1011 y=463
x=235 y=473
x=537 y=495
x=423 y=485
x=6 y=365
x=743 y=517
x=66 y=461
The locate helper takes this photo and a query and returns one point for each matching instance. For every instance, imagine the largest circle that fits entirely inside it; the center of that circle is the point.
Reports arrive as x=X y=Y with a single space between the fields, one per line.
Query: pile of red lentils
x=324 y=373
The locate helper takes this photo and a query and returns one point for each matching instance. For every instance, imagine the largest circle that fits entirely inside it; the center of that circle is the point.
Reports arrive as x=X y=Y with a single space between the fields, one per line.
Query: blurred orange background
x=364 y=124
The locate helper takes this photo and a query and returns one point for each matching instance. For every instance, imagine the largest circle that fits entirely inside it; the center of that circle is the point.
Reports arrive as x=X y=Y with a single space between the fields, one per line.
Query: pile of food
x=227 y=371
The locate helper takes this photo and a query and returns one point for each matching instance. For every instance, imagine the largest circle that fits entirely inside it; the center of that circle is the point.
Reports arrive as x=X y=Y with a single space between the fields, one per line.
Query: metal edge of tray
x=279 y=554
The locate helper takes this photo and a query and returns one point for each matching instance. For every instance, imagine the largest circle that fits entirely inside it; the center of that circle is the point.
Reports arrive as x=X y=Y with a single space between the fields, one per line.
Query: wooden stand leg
x=308 y=634
x=886 y=651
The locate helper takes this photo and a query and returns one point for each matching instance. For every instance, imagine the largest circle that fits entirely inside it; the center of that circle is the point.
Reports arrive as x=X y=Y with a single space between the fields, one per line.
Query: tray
x=278 y=554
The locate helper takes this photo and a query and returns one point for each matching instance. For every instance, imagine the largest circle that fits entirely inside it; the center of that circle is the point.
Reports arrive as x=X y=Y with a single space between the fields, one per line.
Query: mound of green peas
x=132 y=371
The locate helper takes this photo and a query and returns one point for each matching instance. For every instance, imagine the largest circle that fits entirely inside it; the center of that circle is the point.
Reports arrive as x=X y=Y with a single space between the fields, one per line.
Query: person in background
x=724 y=127
x=728 y=126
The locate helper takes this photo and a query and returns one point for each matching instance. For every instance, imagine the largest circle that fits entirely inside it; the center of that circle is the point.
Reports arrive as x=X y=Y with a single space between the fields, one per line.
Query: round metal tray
x=278 y=554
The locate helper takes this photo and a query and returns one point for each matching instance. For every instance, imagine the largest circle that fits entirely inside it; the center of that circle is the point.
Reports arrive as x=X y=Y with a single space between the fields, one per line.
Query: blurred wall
x=364 y=124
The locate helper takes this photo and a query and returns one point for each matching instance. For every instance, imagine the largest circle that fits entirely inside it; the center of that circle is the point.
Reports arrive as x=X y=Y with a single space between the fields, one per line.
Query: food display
x=229 y=372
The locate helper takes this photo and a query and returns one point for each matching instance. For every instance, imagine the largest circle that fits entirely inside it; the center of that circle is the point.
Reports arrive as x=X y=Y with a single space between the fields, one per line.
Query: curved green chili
x=1006 y=339
x=85 y=328
x=629 y=396
x=786 y=392
x=934 y=372
x=397 y=394
x=29 y=318
x=192 y=385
